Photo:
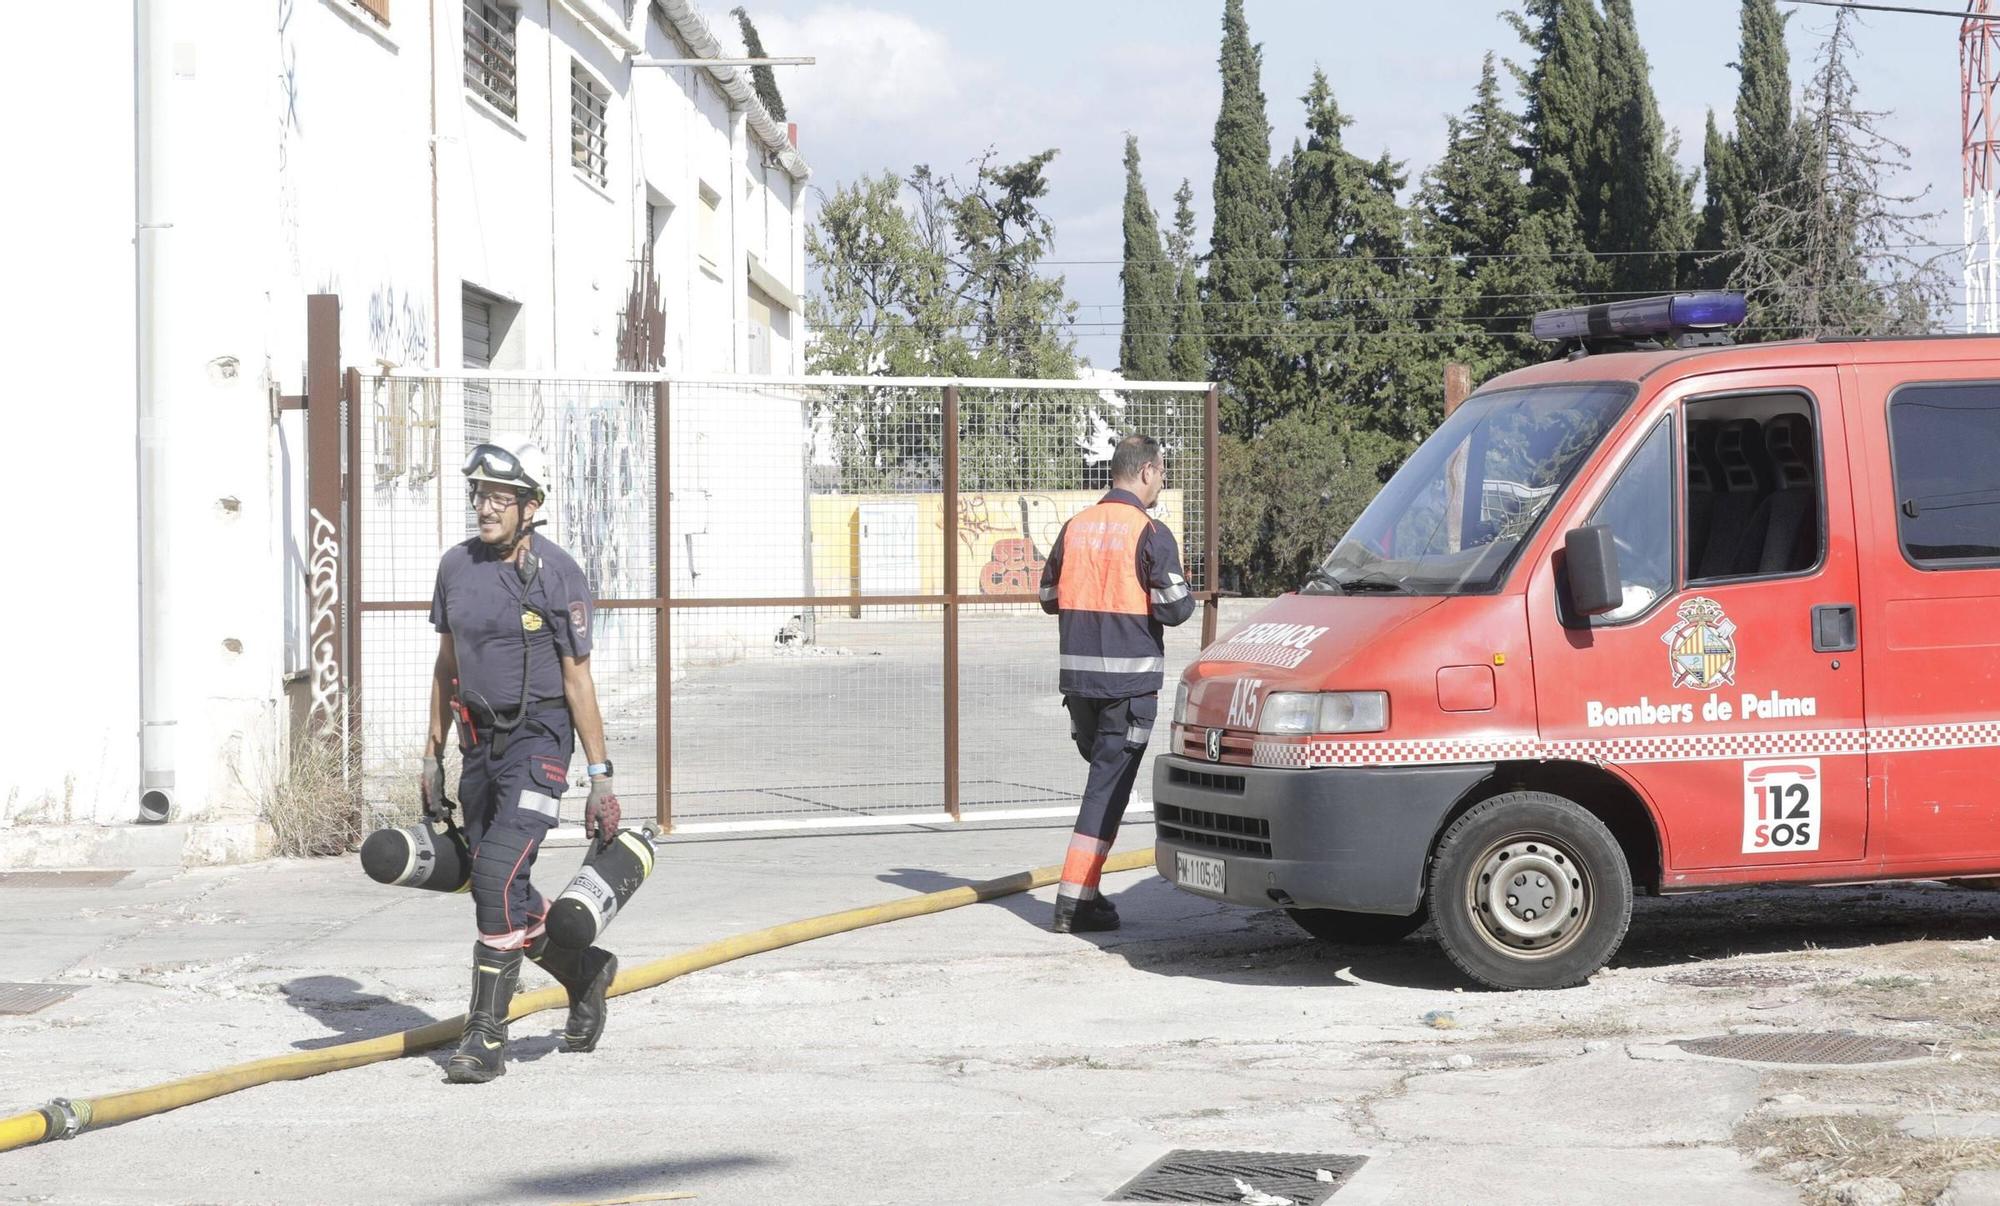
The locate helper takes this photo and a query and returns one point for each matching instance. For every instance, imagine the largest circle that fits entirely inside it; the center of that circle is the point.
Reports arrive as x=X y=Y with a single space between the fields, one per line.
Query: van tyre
x=1345 y=928
x=1529 y=890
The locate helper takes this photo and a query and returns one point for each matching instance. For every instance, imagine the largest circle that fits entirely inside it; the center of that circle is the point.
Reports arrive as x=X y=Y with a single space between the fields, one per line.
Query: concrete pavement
x=969 y=1056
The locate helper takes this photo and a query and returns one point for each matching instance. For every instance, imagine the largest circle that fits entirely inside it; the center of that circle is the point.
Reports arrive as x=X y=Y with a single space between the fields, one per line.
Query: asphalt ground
x=974 y=1057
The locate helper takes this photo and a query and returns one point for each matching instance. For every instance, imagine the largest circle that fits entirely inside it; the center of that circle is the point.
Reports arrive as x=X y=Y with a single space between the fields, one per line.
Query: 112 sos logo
x=1781 y=805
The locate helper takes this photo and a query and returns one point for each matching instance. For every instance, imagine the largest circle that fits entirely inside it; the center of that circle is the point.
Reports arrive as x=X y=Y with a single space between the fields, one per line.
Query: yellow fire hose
x=64 y=1118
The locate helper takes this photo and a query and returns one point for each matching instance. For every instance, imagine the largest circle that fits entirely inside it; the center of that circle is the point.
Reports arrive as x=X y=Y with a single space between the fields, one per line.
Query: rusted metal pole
x=1457 y=384
x=950 y=526
x=328 y=548
x=1211 y=515
x=663 y=672
x=355 y=489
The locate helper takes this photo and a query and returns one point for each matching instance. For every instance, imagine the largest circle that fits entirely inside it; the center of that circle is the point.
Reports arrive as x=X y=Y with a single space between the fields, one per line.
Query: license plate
x=1201 y=874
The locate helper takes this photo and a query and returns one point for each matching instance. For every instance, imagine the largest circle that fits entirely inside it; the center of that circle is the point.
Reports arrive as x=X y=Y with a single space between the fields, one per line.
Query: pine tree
x=1242 y=291
x=1148 y=282
x=1350 y=356
x=1187 y=355
x=1473 y=221
x=1647 y=202
x=762 y=78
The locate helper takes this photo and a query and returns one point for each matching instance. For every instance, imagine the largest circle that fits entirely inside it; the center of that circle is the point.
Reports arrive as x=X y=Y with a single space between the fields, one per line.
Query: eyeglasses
x=498 y=500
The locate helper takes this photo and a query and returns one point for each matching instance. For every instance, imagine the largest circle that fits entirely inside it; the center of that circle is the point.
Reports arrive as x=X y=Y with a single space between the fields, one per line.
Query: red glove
x=601 y=812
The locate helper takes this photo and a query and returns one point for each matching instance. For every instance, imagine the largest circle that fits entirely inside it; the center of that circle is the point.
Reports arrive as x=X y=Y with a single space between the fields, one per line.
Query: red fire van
x=1666 y=613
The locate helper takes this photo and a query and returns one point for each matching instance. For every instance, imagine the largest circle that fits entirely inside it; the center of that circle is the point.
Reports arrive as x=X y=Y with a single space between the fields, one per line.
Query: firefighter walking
x=1114 y=581
x=513 y=613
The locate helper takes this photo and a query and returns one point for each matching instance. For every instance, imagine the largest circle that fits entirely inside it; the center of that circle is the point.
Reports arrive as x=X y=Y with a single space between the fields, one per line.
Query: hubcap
x=1529 y=895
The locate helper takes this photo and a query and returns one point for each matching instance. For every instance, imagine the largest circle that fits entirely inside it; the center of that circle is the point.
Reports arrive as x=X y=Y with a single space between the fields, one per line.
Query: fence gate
x=817 y=595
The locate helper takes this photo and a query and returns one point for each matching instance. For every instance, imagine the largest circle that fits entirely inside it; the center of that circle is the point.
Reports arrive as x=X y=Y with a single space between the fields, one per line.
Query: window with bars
x=588 y=101
x=489 y=53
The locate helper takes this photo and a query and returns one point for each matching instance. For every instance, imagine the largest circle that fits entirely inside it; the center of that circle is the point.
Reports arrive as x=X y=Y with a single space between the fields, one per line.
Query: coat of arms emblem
x=1701 y=646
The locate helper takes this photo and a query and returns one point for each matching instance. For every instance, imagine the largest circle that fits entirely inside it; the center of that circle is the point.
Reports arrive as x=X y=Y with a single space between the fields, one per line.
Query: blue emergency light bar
x=1640 y=318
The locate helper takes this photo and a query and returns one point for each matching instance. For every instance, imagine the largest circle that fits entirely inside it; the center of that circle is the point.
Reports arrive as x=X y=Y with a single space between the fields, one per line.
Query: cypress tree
x=1718 y=174
x=1187 y=355
x=1760 y=164
x=762 y=78
x=1564 y=103
x=1765 y=139
x=1647 y=202
x=1148 y=282
x=1241 y=296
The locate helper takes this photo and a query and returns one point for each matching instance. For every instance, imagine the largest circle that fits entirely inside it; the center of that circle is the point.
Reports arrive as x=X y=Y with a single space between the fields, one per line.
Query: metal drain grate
x=1203 y=1176
x=61 y=879
x=27 y=998
x=1803 y=1047
x=1752 y=975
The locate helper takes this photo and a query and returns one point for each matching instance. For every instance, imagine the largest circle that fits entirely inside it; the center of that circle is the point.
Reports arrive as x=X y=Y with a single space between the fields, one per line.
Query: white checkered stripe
x=1625 y=751
x=1916 y=737
x=1284 y=657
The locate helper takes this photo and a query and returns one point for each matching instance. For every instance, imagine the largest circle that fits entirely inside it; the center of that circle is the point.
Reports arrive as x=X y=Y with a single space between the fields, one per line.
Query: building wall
x=297 y=150
x=991 y=528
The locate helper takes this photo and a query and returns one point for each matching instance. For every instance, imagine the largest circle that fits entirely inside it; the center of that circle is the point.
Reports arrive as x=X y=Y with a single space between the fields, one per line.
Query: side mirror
x=1590 y=561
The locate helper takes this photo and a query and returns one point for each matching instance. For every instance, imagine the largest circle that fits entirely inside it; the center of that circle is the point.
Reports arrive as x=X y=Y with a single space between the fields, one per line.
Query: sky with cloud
x=901 y=82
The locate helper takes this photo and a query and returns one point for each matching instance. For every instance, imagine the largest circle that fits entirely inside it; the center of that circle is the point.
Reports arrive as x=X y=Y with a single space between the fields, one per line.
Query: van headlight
x=1294 y=712
x=1180 y=704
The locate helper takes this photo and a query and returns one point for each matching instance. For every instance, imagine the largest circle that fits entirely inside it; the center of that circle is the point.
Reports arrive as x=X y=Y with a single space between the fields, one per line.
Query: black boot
x=482 y=1052
x=586 y=976
x=1094 y=916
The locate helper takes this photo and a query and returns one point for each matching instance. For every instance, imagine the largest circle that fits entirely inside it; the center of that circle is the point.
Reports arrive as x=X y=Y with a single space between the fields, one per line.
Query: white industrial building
x=482 y=183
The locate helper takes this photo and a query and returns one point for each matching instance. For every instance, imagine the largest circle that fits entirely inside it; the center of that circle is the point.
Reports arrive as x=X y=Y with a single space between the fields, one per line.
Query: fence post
x=328 y=536
x=950 y=526
x=356 y=487
x=1211 y=534
x=663 y=672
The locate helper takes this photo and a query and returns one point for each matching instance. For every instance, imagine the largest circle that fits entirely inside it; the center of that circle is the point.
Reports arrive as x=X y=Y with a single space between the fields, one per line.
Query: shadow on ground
x=616 y=1181
x=340 y=1005
x=1172 y=933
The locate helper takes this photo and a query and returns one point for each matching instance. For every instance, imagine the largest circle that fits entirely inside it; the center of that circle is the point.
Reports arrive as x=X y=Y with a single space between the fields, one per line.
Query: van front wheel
x=1529 y=890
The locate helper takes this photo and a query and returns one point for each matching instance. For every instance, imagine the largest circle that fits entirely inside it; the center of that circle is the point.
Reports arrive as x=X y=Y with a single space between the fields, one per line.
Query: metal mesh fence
x=414 y=435
x=850 y=615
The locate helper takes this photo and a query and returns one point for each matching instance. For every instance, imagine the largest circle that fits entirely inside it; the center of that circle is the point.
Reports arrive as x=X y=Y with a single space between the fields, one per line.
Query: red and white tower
x=1979 y=72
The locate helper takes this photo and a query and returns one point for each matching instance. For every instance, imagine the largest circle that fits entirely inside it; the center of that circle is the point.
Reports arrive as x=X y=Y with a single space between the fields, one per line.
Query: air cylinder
x=609 y=876
x=420 y=856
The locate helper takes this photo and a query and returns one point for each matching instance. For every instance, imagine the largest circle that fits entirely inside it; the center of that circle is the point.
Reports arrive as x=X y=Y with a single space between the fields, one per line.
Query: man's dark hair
x=1134 y=453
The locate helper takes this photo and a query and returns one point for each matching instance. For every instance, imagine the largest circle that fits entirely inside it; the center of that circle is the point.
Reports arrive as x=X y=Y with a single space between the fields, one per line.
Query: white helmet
x=520 y=463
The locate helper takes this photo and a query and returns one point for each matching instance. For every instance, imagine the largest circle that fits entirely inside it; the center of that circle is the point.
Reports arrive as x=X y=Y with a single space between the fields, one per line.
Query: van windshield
x=1452 y=519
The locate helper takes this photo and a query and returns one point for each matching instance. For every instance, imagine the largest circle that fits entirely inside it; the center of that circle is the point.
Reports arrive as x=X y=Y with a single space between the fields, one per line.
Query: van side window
x=1753 y=487
x=1639 y=508
x=1942 y=439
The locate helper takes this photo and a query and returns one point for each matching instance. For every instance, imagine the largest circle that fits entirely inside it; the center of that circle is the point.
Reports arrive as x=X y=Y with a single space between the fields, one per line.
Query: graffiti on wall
x=1014 y=532
x=323 y=633
x=602 y=456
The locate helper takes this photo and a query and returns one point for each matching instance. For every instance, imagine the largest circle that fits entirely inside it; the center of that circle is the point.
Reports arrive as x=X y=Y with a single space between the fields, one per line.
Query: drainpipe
x=150 y=77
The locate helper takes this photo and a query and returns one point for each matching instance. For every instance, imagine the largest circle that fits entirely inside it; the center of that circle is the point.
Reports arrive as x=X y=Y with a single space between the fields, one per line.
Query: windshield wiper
x=1375 y=582
x=1319 y=577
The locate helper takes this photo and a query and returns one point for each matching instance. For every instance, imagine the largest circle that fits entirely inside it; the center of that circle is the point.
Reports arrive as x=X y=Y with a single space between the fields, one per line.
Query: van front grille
x=1213 y=830
x=1205 y=780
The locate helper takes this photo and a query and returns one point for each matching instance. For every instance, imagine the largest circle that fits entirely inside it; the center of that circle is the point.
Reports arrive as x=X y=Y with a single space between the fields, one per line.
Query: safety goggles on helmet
x=494 y=463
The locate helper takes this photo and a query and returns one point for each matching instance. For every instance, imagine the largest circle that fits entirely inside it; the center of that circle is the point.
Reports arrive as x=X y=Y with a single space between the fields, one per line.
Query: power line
x=1415 y=257
x=1959 y=14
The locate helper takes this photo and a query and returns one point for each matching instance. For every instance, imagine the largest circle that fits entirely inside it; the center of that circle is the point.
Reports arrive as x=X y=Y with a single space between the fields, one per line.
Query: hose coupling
x=65 y=1117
